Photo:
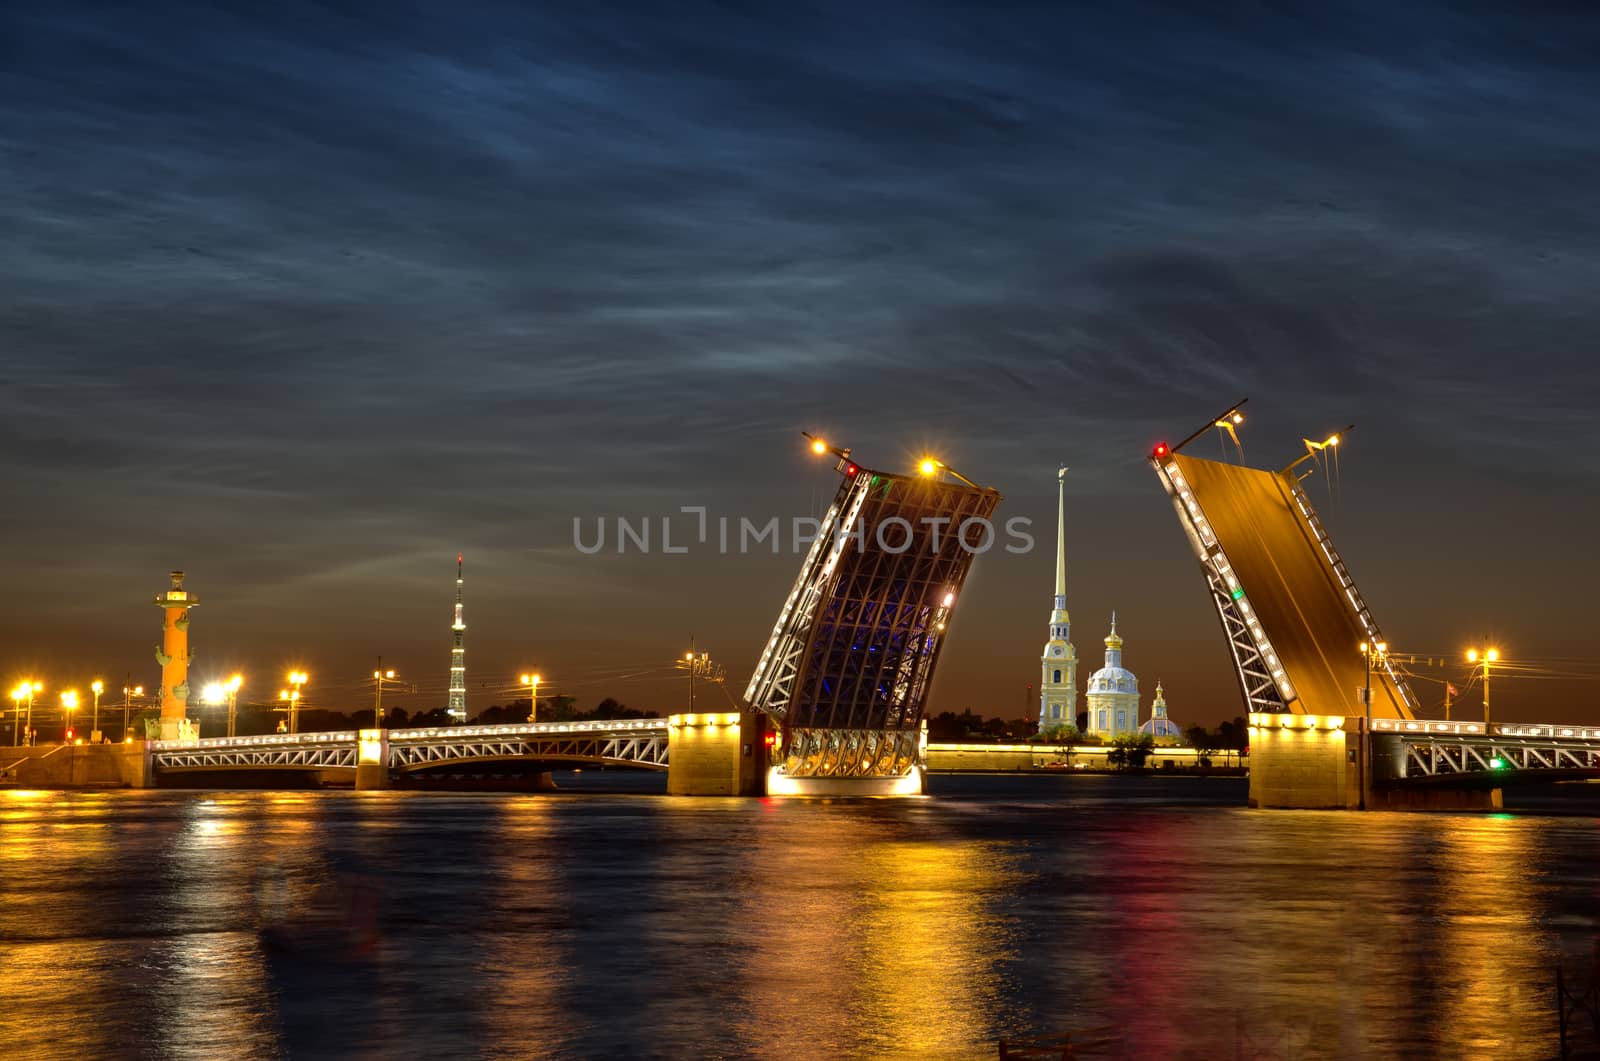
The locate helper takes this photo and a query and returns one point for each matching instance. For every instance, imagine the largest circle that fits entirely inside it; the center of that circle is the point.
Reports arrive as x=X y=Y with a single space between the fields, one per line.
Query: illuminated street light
x=532 y=682
x=931 y=466
x=1486 y=656
x=128 y=693
x=379 y=678
x=98 y=687
x=292 y=699
x=69 y=704
x=214 y=694
x=27 y=691
x=1369 y=653
x=818 y=446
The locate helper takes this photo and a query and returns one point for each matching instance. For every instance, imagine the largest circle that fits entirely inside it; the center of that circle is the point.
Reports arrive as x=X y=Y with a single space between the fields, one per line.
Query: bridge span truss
x=1432 y=752
x=627 y=742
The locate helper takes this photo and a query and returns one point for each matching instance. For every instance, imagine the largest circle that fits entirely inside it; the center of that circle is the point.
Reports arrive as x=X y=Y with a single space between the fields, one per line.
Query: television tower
x=458 y=657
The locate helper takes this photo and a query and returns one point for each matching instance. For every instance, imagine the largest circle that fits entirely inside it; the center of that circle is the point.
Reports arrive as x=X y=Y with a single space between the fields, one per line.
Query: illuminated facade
x=458 y=657
x=1113 y=693
x=847 y=669
x=1058 y=680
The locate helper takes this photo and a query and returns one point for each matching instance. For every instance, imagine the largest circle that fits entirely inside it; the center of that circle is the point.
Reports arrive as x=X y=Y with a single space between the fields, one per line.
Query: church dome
x=1113 y=677
x=1113 y=680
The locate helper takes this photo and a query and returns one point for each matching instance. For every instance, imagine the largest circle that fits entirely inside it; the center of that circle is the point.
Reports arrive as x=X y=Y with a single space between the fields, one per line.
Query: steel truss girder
x=311 y=757
x=648 y=749
x=1247 y=640
x=634 y=742
x=771 y=686
x=1441 y=757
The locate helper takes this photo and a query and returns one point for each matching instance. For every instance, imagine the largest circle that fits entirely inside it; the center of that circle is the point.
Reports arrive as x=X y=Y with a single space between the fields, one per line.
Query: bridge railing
x=264 y=741
x=1532 y=731
x=526 y=729
x=529 y=729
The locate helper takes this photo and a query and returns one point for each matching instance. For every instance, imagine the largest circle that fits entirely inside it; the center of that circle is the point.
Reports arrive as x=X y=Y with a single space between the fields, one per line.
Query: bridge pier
x=372 y=760
x=721 y=754
x=1312 y=762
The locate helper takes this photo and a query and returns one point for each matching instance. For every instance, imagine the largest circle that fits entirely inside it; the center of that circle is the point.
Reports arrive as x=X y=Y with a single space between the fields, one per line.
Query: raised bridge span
x=1299 y=633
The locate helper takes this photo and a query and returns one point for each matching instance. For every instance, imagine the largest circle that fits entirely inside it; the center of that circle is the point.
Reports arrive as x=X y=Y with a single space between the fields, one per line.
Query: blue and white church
x=1113 y=693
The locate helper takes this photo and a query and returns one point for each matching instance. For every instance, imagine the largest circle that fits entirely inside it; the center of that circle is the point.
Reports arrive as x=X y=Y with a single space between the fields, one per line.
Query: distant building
x=1058 y=684
x=1113 y=693
x=1158 y=725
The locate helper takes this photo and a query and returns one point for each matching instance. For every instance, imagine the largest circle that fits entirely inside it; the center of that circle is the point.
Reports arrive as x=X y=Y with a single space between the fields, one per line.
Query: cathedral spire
x=1061 y=540
x=1058 y=681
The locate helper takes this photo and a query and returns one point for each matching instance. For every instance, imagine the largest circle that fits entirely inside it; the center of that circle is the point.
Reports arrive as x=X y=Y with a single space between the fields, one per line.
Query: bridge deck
x=1291 y=584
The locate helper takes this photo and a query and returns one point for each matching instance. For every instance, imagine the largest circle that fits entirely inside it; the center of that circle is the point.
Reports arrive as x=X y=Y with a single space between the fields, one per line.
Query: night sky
x=305 y=299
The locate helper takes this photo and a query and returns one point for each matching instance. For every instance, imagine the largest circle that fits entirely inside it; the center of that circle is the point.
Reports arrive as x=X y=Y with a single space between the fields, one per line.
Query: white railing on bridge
x=642 y=741
x=266 y=741
x=1431 y=727
x=529 y=729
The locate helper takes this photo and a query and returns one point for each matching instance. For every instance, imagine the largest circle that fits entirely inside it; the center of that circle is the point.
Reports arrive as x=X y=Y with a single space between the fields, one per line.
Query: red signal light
x=1161 y=450
x=850 y=470
x=770 y=740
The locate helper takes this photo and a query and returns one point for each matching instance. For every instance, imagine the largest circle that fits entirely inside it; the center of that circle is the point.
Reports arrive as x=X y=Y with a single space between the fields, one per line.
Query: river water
x=214 y=925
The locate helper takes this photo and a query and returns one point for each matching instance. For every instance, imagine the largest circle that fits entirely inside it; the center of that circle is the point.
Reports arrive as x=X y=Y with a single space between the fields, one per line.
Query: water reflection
x=860 y=941
x=213 y=924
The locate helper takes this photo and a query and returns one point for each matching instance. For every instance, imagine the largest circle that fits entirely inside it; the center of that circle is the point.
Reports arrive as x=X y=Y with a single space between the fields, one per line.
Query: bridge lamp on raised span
x=1486 y=656
x=532 y=682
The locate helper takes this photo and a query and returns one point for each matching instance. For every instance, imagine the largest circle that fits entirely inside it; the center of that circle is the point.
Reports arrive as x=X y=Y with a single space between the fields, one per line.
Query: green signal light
x=1497 y=763
x=1238 y=594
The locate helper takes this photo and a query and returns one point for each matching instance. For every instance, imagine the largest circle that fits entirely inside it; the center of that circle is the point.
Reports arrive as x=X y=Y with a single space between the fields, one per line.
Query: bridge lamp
x=928 y=466
x=818 y=446
x=232 y=689
x=1497 y=763
x=297 y=679
x=1486 y=657
x=532 y=682
x=69 y=704
x=214 y=694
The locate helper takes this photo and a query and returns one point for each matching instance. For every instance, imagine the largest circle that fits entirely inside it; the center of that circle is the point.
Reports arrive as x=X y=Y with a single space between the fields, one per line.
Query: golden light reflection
x=904 y=930
x=1493 y=987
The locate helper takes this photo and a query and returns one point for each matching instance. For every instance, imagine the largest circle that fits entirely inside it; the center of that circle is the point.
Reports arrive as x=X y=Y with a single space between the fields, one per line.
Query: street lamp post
x=30 y=688
x=693 y=663
x=532 y=682
x=1486 y=656
x=69 y=704
x=380 y=676
x=17 y=696
x=1367 y=653
x=98 y=687
x=296 y=679
x=233 y=701
x=128 y=693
